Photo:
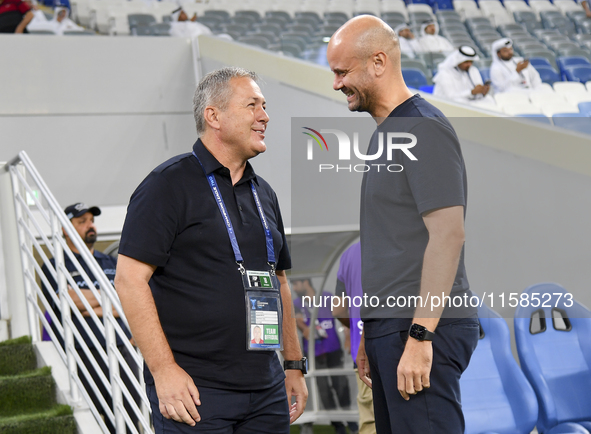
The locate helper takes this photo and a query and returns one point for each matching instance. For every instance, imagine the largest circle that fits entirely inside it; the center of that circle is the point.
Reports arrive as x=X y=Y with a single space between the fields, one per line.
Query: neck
x=75 y=250
x=235 y=163
x=391 y=100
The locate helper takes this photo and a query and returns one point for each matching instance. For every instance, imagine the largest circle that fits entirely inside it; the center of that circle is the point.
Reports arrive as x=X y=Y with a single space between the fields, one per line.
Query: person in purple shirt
x=346 y=310
x=327 y=347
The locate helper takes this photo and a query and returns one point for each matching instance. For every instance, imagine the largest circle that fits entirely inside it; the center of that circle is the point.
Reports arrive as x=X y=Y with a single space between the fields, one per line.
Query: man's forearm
x=24 y=23
x=291 y=343
x=440 y=266
x=139 y=307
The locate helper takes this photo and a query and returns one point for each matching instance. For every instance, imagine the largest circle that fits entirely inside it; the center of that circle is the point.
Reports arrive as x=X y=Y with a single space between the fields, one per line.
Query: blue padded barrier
x=554 y=347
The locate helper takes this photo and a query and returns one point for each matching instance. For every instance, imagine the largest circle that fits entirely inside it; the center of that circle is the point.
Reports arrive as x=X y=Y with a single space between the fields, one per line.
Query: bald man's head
x=366 y=35
x=364 y=56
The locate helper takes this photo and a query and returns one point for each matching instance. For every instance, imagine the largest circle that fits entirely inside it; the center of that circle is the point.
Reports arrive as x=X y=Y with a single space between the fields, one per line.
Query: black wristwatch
x=301 y=365
x=420 y=333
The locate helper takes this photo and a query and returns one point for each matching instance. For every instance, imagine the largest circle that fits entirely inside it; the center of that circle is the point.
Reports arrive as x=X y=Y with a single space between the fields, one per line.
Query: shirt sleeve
x=437 y=177
x=151 y=222
x=23 y=8
x=284 y=257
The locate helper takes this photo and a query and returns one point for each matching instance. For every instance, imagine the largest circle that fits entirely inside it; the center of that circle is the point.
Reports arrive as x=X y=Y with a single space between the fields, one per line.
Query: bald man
x=412 y=235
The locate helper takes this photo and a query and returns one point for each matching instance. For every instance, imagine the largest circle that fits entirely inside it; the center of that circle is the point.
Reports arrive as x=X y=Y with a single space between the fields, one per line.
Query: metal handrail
x=31 y=237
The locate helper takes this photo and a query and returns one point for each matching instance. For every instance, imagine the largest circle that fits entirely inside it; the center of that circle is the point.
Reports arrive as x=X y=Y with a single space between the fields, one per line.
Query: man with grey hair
x=202 y=263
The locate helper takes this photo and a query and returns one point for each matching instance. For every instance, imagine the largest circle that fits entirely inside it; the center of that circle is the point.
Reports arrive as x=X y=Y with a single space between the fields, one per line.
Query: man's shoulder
x=103 y=258
x=173 y=164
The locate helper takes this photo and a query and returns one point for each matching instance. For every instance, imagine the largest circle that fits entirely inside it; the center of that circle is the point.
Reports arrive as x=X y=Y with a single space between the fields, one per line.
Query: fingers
x=296 y=410
x=402 y=386
x=367 y=381
x=410 y=384
x=426 y=380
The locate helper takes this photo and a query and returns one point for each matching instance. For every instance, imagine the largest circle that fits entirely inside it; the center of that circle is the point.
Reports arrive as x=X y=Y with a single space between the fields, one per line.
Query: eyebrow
x=256 y=99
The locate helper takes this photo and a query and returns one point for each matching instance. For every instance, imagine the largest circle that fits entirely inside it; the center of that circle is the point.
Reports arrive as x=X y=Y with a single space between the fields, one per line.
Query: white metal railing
x=41 y=224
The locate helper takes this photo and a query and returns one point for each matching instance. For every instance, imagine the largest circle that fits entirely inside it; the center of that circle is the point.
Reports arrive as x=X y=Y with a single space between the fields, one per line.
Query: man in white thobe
x=184 y=27
x=510 y=73
x=458 y=80
x=431 y=42
x=409 y=45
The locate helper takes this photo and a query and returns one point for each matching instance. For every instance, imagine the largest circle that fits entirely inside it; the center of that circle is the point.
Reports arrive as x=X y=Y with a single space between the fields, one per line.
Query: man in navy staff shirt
x=412 y=238
x=82 y=218
x=193 y=227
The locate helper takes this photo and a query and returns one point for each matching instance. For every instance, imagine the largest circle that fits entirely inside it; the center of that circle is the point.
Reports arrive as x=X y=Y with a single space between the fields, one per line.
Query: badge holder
x=264 y=311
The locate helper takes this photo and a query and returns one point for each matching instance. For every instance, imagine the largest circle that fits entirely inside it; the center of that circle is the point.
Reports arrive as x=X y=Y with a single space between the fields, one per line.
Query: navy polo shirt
x=392 y=231
x=173 y=222
x=108 y=264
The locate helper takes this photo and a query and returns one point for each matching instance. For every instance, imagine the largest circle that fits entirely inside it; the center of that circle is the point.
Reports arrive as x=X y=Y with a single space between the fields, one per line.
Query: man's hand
x=295 y=385
x=414 y=368
x=522 y=65
x=480 y=88
x=177 y=395
x=363 y=363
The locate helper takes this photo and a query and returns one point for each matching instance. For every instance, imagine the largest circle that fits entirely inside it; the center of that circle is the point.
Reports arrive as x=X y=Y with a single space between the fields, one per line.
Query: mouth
x=349 y=93
x=260 y=131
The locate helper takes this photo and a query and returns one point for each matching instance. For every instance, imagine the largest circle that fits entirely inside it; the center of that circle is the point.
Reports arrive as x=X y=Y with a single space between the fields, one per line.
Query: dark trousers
x=338 y=383
x=436 y=410
x=228 y=411
x=101 y=387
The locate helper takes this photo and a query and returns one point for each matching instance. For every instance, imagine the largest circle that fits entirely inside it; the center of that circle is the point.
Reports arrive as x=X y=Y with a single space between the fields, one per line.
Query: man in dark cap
x=82 y=218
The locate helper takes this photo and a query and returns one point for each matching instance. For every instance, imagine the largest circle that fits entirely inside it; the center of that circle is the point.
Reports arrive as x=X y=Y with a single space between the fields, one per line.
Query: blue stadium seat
x=585 y=108
x=427 y=89
x=552 y=337
x=496 y=396
x=539 y=61
x=573 y=121
x=580 y=73
x=565 y=62
x=485 y=74
x=547 y=74
x=414 y=77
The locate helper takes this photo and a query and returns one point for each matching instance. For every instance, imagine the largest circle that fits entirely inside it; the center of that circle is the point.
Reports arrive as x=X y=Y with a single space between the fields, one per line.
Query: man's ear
x=211 y=116
x=379 y=61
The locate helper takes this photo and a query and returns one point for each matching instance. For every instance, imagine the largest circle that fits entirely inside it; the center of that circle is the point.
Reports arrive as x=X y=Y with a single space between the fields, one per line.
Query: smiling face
x=351 y=76
x=243 y=123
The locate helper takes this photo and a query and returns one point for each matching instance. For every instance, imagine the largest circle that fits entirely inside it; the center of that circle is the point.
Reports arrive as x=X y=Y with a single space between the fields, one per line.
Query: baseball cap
x=80 y=208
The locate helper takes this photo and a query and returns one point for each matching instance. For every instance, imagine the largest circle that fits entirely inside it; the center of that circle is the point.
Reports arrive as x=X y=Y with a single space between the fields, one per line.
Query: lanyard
x=230 y=228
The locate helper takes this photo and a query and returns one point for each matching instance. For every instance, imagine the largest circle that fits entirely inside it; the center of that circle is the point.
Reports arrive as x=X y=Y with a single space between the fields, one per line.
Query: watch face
x=417 y=332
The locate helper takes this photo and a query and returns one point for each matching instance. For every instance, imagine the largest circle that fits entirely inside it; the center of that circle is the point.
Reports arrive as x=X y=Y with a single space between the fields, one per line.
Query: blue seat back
x=585 y=108
x=539 y=61
x=496 y=396
x=566 y=61
x=555 y=354
x=573 y=121
x=485 y=74
x=538 y=117
x=580 y=73
x=547 y=74
x=414 y=77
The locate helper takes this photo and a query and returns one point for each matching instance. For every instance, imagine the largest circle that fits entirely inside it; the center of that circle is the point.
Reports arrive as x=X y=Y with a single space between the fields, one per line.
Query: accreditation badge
x=264 y=312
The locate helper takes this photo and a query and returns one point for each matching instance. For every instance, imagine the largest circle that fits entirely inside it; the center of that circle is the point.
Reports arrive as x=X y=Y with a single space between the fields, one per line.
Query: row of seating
x=551 y=389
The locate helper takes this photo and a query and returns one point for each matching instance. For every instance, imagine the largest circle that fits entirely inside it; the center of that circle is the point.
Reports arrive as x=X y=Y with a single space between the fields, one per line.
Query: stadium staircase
x=28 y=403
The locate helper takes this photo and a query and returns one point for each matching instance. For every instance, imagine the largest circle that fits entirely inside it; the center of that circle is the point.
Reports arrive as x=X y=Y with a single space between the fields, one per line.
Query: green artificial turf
x=57 y=420
x=27 y=393
x=16 y=359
